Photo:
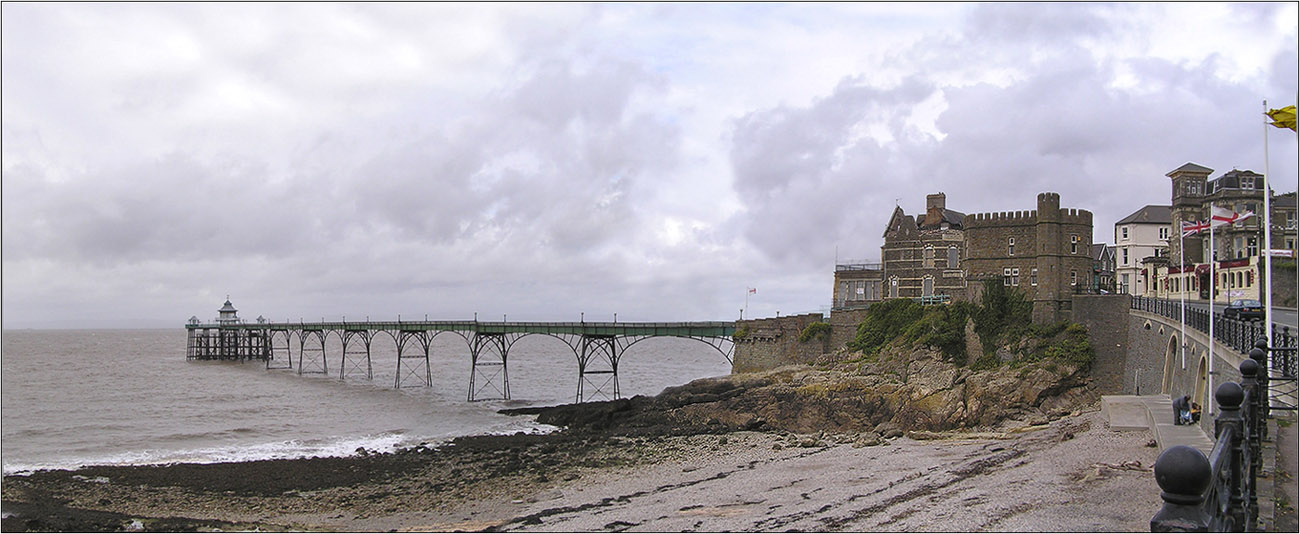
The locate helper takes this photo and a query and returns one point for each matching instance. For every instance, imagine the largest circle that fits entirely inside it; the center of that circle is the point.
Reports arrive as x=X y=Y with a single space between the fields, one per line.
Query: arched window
x=928 y=256
x=952 y=257
x=893 y=287
x=927 y=286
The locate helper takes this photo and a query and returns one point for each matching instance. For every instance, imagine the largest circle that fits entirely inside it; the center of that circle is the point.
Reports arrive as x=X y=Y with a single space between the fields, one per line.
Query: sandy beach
x=1073 y=474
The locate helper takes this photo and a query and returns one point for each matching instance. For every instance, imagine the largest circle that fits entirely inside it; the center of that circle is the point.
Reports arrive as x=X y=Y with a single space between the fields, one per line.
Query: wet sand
x=1073 y=474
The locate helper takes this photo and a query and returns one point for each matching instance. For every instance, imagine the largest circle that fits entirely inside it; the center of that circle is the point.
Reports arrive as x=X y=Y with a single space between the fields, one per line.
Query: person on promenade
x=1182 y=409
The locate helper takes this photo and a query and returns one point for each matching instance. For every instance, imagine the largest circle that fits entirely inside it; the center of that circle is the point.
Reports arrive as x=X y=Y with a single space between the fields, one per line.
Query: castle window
x=1290 y=221
x=1248 y=182
x=1015 y=276
x=927 y=286
x=1011 y=246
x=1074 y=244
x=1074 y=277
x=893 y=287
x=1252 y=247
x=952 y=257
x=1033 y=277
x=929 y=256
x=1006 y=276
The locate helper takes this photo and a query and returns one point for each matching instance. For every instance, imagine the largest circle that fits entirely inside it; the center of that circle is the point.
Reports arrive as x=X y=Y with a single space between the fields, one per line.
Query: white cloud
x=546 y=160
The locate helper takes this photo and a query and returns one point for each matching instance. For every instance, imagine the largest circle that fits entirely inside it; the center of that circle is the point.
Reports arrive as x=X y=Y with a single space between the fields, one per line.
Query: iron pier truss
x=596 y=346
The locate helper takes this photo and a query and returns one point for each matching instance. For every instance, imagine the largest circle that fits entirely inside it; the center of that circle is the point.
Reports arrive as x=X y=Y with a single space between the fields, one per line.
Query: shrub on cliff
x=1001 y=307
x=944 y=329
x=815 y=330
x=1003 y=321
x=884 y=322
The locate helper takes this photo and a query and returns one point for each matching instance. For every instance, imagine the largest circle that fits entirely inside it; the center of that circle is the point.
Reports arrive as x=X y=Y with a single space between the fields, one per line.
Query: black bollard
x=1183 y=474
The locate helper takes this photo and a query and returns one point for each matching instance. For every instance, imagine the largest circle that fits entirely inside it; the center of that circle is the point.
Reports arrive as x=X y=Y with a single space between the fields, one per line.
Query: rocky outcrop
x=903 y=388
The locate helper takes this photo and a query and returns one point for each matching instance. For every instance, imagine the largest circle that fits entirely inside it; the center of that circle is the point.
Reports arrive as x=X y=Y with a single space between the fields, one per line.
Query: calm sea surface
x=86 y=397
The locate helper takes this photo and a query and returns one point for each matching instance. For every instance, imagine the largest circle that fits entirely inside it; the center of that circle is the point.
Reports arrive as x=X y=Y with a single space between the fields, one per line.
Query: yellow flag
x=1283 y=118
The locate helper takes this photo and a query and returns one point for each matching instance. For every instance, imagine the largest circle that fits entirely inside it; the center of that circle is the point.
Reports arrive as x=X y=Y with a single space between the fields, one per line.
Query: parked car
x=1248 y=310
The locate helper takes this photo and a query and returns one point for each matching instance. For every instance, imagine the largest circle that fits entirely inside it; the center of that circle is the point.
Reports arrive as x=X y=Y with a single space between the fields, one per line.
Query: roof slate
x=1149 y=215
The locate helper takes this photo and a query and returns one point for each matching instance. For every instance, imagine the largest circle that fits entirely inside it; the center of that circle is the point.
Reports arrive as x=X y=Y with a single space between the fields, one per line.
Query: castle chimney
x=935 y=201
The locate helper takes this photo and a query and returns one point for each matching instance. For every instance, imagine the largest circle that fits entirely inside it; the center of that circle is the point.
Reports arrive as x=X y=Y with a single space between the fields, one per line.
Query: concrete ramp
x=1125 y=412
x=1156 y=414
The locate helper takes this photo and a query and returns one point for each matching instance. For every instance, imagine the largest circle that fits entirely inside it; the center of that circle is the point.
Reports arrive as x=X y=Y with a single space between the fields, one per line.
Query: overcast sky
x=543 y=161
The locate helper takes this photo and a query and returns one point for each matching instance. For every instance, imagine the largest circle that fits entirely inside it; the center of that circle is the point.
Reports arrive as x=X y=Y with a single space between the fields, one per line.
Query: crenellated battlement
x=1025 y=218
x=1002 y=218
x=1076 y=216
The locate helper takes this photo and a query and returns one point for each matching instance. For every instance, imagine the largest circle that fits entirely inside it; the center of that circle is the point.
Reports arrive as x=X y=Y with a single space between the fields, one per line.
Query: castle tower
x=1047 y=235
x=1187 y=205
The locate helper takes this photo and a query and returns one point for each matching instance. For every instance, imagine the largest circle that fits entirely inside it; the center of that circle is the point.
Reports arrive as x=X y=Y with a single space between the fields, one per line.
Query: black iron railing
x=1218 y=494
x=1243 y=337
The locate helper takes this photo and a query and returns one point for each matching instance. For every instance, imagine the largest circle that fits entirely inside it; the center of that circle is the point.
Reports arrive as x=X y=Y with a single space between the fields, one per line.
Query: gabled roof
x=954 y=219
x=899 y=221
x=1190 y=167
x=1101 y=250
x=1148 y=215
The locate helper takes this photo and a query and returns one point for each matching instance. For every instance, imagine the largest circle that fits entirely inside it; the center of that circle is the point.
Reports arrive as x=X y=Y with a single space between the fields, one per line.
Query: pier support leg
x=413 y=348
x=274 y=361
x=598 y=357
x=311 y=345
x=490 y=351
x=356 y=344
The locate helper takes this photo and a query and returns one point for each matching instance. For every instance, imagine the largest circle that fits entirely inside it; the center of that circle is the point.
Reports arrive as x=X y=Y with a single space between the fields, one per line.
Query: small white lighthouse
x=227 y=313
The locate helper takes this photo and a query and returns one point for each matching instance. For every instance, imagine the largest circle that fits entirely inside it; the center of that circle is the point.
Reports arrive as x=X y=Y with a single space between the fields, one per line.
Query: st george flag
x=1283 y=118
x=753 y=290
x=1221 y=216
x=1191 y=228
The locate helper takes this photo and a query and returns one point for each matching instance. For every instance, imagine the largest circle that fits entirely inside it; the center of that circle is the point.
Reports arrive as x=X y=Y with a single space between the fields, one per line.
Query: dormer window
x=1248 y=182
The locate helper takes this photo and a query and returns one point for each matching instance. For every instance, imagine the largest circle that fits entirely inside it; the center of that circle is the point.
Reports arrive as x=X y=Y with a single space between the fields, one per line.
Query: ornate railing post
x=1183 y=474
x=1259 y=355
x=1253 y=462
x=1229 y=425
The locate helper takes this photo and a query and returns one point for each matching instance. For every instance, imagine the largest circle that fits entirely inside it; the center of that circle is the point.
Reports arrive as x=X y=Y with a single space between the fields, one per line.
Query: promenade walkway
x=1156 y=414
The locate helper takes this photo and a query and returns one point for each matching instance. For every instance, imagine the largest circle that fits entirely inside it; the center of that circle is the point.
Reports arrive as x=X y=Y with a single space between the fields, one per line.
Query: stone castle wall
x=763 y=344
x=1045 y=263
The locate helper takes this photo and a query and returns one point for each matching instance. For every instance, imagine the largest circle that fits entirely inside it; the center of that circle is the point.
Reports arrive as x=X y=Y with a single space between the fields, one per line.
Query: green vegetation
x=815 y=330
x=1003 y=320
x=741 y=333
x=884 y=323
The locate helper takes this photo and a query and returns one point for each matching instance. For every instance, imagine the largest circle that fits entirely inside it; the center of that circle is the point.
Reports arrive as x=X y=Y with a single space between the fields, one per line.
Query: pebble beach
x=1072 y=474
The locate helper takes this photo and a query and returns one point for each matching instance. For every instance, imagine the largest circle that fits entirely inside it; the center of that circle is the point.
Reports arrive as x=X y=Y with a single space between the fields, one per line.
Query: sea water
x=72 y=398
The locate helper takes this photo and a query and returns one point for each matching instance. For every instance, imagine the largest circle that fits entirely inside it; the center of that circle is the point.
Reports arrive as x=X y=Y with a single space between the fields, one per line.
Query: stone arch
x=1170 y=356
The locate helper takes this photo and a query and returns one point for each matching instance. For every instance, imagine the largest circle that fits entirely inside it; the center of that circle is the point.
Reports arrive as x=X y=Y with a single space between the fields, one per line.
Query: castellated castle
x=940 y=256
x=945 y=255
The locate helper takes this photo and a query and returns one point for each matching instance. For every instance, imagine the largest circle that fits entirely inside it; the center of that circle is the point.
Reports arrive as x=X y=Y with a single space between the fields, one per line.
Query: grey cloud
x=806 y=179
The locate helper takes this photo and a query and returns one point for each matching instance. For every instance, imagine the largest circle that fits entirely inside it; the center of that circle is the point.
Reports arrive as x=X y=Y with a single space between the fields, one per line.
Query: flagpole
x=1214 y=285
x=1268 y=244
